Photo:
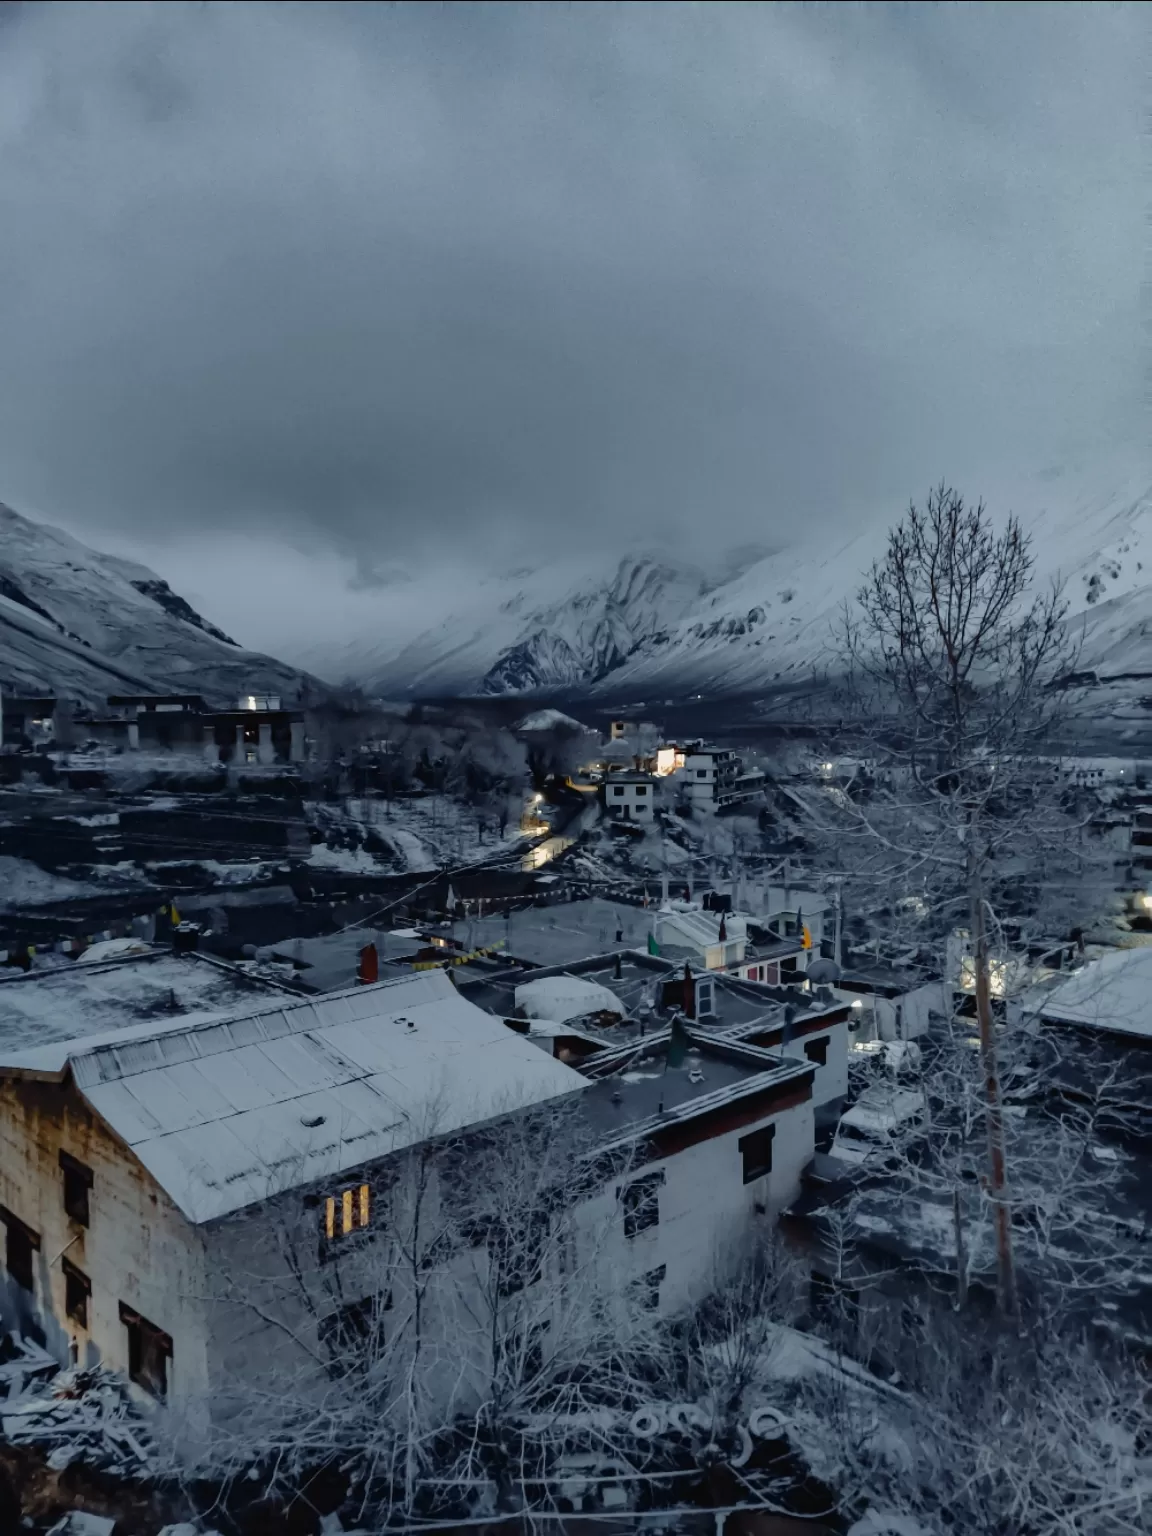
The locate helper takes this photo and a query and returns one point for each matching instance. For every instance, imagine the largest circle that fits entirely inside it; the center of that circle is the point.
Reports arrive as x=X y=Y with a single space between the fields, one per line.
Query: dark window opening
x=641 y=789
x=354 y=1331
x=756 y=1151
x=20 y=1245
x=641 y=1202
x=788 y=967
x=149 y=1351
x=646 y=1290
x=516 y=1252
x=701 y=773
x=817 y=1051
x=77 y=1289
x=77 y=1183
x=618 y=789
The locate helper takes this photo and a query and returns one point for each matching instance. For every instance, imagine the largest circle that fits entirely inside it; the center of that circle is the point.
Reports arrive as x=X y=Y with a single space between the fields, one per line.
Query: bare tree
x=444 y=1338
x=1013 y=1434
x=954 y=688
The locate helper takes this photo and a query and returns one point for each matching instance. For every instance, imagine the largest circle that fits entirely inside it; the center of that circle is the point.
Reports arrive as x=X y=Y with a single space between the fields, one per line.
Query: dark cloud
x=370 y=279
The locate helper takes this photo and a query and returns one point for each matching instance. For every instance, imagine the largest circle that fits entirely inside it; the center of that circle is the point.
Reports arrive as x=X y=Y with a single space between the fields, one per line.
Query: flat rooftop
x=331 y=961
x=738 y=1004
x=97 y=998
x=560 y=934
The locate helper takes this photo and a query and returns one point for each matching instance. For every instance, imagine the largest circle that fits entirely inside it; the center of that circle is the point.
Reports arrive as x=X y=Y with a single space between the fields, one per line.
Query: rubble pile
x=81 y=1414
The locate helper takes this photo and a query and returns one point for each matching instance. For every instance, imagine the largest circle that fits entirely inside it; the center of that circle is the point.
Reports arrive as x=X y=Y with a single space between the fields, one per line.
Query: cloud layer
x=377 y=281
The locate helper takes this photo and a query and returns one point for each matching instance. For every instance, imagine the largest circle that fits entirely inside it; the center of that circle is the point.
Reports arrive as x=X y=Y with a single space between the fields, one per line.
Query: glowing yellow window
x=347 y=1211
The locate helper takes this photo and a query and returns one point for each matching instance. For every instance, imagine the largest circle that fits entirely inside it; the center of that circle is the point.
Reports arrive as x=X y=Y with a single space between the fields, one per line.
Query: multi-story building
x=715 y=778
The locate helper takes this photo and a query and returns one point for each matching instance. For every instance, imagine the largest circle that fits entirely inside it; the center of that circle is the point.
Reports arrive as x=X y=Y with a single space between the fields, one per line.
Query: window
x=353 y=1329
x=77 y=1183
x=646 y=1290
x=618 y=789
x=77 y=1289
x=21 y=1244
x=347 y=1212
x=701 y=773
x=641 y=1202
x=817 y=1051
x=149 y=1351
x=516 y=1252
x=641 y=789
x=756 y=1150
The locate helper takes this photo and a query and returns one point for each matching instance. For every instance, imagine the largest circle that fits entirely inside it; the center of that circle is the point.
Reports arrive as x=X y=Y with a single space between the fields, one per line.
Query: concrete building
x=715 y=778
x=26 y=722
x=631 y=797
x=152 y=1173
x=258 y=731
x=715 y=940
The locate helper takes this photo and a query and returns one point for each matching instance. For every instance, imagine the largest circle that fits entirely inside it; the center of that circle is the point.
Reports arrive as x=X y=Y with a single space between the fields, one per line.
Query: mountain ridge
x=83 y=624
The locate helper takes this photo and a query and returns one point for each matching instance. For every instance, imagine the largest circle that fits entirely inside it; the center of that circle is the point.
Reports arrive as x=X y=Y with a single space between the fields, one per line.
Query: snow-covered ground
x=425 y=832
x=24 y=884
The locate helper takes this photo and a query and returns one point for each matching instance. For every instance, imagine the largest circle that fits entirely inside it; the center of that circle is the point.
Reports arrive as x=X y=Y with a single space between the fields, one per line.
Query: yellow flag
x=175 y=915
x=806 y=937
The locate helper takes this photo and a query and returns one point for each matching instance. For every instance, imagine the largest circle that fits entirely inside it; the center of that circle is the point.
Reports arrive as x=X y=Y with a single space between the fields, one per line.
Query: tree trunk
x=993 y=1109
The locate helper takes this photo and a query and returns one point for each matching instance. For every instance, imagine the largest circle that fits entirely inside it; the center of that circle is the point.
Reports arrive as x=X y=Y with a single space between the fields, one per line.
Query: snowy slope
x=776 y=623
x=84 y=624
x=560 y=626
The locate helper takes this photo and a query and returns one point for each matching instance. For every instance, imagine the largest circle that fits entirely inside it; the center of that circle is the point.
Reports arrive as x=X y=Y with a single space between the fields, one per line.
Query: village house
x=631 y=797
x=153 y=1169
x=715 y=778
x=26 y=722
x=257 y=731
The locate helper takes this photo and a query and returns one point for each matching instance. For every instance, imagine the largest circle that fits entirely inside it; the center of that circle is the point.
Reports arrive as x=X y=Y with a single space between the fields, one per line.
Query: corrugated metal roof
x=225 y=1112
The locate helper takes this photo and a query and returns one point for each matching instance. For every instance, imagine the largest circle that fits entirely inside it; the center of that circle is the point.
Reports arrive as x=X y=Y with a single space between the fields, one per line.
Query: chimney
x=369 y=966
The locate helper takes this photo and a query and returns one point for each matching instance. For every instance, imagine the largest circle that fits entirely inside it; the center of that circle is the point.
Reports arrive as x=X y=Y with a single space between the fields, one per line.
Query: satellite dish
x=821 y=971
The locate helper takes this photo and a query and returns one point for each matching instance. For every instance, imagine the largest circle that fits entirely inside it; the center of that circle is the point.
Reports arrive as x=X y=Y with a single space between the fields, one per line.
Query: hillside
x=83 y=624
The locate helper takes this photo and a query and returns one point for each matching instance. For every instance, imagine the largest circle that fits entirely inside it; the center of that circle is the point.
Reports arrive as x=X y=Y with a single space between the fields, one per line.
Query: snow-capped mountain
x=84 y=624
x=776 y=623
x=543 y=629
x=650 y=626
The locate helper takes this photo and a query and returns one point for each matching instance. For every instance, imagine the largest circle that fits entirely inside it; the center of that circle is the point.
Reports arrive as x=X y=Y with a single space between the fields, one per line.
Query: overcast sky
x=293 y=297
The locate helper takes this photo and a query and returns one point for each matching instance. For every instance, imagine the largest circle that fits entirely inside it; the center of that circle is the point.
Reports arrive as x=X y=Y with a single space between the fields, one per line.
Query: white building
x=714 y=940
x=153 y=1177
x=133 y=1162
x=715 y=777
x=631 y=797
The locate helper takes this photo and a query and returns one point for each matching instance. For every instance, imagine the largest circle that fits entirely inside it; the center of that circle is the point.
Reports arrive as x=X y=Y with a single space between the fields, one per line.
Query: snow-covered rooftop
x=558 y=998
x=46 y=1008
x=227 y=1111
x=1113 y=993
x=684 y=923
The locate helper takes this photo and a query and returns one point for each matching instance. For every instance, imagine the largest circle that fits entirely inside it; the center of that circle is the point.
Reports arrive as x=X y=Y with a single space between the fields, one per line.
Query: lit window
x=347 y=1212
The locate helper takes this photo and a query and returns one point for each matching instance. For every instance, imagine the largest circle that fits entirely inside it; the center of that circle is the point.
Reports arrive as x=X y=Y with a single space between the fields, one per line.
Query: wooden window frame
x=752 y=1149
x=640 y=1198
x=78 y=1181
x=148 y=1346
x=77 y=1293
x=21 y=1240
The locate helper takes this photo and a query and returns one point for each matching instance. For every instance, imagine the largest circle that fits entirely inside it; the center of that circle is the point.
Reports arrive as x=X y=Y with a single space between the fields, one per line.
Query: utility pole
x=994 y=1109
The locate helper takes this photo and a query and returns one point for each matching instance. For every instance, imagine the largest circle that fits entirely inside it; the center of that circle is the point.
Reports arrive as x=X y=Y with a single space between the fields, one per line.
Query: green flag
x=678 y=1045
x=653 y=947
